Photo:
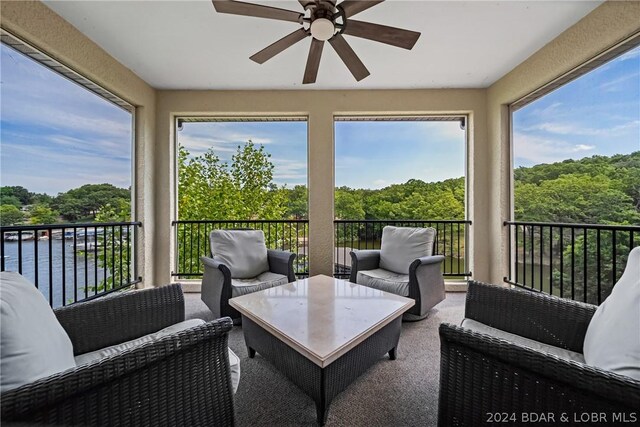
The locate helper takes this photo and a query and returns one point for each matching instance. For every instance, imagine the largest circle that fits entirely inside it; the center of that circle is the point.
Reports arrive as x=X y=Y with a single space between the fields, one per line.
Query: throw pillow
x=243 y=251
x=33 y=344
x=402 y=245
x=612 y=341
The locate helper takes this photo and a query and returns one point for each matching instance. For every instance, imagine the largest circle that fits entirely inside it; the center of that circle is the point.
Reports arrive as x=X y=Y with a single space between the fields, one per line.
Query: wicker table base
x=322 y=384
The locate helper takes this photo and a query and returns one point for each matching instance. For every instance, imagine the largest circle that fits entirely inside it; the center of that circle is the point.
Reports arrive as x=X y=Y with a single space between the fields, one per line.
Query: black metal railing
x=192 y=241
x=451 y=238
x=72 y=262
x=577 y=261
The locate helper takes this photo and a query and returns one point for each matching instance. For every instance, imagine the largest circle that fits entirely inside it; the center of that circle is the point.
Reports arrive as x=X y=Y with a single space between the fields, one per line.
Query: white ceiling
x=187 y=45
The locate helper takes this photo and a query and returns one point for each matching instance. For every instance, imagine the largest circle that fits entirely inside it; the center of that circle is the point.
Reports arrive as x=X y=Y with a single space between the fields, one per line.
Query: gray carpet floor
x=403 y=392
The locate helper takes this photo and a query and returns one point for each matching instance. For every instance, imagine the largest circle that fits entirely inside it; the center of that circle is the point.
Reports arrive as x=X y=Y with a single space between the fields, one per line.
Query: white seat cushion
x=234 y=363
x=400 y=246
x=33 y=344
x=113 y=350
x=93 y=356
x=526 y=342
x=612 y=341
x=243 y=251
x=265 y=280
x=384 y=280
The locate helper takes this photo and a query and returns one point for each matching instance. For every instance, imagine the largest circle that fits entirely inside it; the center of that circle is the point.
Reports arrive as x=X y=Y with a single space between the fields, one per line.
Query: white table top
x=321 y=317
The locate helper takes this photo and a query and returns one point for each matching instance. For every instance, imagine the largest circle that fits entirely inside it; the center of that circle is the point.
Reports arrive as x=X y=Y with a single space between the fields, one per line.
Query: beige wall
x=45 y=30
x=320 y=108
x=607 y=25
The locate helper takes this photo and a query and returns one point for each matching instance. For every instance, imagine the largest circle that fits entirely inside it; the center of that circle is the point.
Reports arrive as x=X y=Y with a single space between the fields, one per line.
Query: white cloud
x=529 y=149
x=617 y=84
x=198 y=145
x=583 y=147
x=576 y=129
x=549 y=111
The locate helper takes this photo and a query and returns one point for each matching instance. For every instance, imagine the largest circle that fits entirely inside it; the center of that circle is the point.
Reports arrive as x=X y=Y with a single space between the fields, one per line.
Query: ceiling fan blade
x=349 y=57
x=351 y=7
x=277 y=47
x=305 y=3
x=381 y=33
x=313 y=61
x=257 y=10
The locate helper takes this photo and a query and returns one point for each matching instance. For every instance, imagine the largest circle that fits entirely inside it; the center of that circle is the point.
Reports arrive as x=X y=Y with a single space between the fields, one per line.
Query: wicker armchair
x=182 y=378
x=220 y=283
x=414 y=273
x=482 y=375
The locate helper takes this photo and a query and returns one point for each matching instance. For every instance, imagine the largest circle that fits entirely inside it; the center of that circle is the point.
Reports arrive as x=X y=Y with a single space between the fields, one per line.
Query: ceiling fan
x=325 y=21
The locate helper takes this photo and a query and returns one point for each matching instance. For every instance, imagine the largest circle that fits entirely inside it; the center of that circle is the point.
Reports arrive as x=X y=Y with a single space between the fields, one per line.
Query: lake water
x=77 y=284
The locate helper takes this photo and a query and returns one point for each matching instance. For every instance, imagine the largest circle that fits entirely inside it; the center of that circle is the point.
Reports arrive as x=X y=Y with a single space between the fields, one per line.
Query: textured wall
x=607 y=25
x=38 y=25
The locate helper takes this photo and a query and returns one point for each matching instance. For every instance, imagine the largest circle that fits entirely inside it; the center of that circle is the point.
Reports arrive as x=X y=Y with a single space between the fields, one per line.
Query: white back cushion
x=612 y=341
x=243 y=251
x=402 y=245
x=33 y=344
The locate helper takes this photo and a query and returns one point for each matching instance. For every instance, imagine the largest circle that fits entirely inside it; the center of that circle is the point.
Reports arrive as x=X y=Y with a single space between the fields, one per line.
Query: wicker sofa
x=183 y=378
x=482 y=375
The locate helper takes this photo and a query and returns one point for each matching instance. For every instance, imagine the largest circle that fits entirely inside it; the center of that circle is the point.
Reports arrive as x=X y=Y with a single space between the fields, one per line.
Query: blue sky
x=285 y=141
x=55 y=135
x=377 y=154
x=598 y=113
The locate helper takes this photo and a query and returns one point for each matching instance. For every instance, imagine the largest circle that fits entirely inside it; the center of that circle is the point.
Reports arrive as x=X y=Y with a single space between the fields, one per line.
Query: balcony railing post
x=448 y=237
x=64 y=281
x=596 y=259
x=187 y=264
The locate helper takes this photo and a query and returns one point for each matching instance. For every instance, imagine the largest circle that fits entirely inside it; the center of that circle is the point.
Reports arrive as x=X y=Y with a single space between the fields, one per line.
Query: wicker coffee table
x=321 y=332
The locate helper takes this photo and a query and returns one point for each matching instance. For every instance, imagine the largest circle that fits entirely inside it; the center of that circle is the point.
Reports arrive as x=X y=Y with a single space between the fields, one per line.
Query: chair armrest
x=281 y=262
x=481 y=374
x=363 y=260
x=215 y=263
x=216 y=286
x=117 y=318
x=184 y=376
x=426 y=283
x=534 y=315
x=427 y=260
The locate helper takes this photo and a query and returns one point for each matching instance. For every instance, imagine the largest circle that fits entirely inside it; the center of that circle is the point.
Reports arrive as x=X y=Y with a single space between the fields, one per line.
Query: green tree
x=84 y=202
x=10 y=200
x=41 y=214
x=116 y=242
x=297 y=200
x=17 y=191
x=575 y=198
x=348 y=204
x=211 y=189
x=251 y=173
x=10 y=215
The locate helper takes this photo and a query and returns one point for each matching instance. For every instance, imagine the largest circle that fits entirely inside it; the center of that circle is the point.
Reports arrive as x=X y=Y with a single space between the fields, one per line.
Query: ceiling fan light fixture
x=322 y=29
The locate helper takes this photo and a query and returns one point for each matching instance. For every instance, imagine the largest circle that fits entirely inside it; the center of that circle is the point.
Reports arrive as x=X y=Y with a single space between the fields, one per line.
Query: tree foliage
x=117 y=256
x=10 y=215
x=242 y=189
x=84 y=202
x=595 y=190
x=43 y=214
x=20 y=193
